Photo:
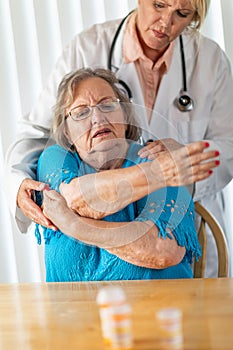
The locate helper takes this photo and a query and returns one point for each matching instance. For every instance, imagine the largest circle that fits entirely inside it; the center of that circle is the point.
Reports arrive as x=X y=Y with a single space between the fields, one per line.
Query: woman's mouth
x=101 y=133
x=158 y=34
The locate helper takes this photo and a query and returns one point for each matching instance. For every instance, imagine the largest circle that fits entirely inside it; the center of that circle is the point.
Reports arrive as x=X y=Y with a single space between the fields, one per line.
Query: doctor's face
x=159 y=22
x=95 y=124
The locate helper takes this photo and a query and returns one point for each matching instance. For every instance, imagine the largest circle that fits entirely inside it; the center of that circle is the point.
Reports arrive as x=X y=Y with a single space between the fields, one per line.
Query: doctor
x=180 y=81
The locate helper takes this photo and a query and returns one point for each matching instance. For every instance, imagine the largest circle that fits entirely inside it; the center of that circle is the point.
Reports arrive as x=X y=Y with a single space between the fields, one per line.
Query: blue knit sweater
x=68 y=259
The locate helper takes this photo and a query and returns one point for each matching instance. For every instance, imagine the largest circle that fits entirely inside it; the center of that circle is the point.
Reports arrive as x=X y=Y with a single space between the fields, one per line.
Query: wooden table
x=65 y=315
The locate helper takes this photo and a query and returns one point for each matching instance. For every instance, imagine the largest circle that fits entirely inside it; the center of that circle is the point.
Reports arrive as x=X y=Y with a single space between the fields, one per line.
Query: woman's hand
x=25 y=201
x=185 y=165
x=55 y=208
x=135 y=242
x=104 y=193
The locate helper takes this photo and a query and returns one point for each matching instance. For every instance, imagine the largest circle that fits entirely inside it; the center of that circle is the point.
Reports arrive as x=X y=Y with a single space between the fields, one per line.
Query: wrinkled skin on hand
x=186 y=164
x=181 y=166
x=54 y=205
x=147 y=249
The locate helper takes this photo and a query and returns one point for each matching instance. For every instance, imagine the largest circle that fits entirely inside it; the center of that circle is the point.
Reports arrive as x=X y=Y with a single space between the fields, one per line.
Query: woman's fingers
x=201 y=158
x=52 y=195
x=194 y=154
x=195 y=173
x=54 y=205
x=185 y=165
x=51 y=200
x=197 y=147
x=205 y=166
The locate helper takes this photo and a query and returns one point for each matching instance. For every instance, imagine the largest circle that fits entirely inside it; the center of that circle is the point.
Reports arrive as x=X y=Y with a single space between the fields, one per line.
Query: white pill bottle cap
x=110 y=295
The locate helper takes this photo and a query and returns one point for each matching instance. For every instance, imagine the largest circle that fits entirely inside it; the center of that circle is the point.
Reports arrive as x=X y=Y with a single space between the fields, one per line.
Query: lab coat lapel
x=162 y=124
x=129 y=74
x=171 y=83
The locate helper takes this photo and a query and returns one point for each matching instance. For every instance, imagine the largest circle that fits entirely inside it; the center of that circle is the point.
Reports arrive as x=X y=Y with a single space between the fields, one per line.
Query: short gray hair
x=65 y=97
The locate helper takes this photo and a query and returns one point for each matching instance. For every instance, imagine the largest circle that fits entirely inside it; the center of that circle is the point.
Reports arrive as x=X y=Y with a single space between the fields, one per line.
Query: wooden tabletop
x=65 y=315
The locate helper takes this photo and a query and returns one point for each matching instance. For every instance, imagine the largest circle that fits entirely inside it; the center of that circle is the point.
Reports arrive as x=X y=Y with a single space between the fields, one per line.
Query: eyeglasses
x=82 y=112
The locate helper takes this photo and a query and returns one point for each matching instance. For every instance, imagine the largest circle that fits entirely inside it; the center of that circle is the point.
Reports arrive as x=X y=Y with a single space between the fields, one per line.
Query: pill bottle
x=115 y=317
x=170 y=328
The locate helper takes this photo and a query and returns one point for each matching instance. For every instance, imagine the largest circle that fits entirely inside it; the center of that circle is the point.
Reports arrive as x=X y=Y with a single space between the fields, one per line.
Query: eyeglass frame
x=116 y=100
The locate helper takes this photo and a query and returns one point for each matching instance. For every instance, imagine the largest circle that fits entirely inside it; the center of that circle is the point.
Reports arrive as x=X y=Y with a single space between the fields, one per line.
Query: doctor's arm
x=215 y=119
x=20 y=172
x=219 y=133
x=32 y=138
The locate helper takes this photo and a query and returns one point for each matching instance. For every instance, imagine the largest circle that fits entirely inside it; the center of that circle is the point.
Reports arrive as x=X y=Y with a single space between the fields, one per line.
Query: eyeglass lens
x=82 y=112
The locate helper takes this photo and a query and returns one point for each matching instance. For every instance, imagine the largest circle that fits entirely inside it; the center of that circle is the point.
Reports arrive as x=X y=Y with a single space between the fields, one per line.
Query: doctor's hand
x=25 y=201
x=153 y=148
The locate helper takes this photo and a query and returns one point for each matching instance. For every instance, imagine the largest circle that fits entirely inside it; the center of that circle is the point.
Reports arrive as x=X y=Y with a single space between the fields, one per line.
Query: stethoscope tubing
x=183 y=102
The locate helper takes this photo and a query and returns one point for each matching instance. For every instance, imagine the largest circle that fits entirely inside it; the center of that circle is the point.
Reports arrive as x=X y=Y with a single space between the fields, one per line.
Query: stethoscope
x=183 y=102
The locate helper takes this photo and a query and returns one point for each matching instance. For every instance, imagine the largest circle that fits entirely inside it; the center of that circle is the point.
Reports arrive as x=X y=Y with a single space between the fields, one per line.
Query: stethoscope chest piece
x=184 y=102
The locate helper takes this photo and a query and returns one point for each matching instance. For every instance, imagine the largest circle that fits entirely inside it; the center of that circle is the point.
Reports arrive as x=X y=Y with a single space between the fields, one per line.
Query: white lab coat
x=209 y=82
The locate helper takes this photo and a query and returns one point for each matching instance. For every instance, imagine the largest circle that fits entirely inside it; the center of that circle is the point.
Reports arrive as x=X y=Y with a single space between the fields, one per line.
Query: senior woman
x=141 y=235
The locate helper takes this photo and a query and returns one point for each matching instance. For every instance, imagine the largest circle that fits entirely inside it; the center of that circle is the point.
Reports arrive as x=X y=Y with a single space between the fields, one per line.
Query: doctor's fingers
x=25 y=201
x=174 y=148
x=34 y=212
x=151 y=149
x=29 y=185
x=154 y=147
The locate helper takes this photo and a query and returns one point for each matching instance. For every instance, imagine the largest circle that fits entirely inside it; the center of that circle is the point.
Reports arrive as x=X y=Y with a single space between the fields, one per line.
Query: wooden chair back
x=207 y=219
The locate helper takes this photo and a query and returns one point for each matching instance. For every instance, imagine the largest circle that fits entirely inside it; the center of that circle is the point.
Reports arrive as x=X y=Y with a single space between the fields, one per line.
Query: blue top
x=68 y=259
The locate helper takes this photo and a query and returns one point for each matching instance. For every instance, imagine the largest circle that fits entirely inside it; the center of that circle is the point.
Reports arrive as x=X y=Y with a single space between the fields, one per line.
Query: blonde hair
x=201 y=8
x=65 y=98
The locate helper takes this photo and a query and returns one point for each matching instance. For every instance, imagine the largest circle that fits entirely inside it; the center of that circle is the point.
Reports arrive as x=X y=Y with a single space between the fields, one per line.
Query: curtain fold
x=32 y=35
x=227 y=12
x=213 y=26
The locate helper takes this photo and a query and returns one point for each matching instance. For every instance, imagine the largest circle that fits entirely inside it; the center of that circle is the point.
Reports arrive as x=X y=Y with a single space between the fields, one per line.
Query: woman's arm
x=135 y=242
x=98 y=195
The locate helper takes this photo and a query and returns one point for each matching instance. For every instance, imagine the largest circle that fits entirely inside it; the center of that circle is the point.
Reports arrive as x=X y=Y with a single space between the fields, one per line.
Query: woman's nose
x=97 y=117
x=166 y=19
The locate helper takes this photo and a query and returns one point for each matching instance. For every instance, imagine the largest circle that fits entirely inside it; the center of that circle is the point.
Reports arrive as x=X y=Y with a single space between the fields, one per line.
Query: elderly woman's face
x=161 y=21
x=99 y=132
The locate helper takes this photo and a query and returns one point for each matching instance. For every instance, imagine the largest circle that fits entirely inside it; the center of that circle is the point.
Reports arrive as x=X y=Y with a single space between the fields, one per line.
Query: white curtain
x=32 y=35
